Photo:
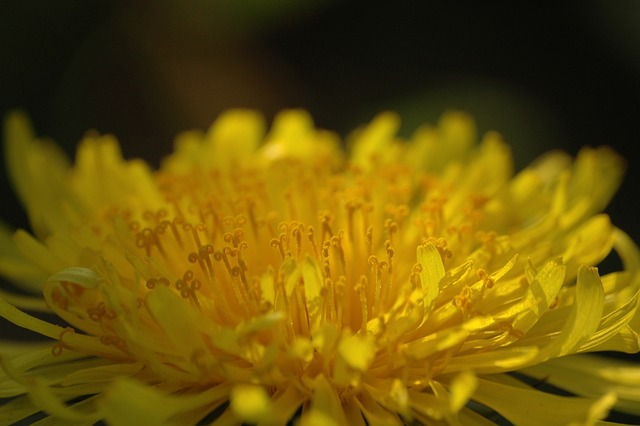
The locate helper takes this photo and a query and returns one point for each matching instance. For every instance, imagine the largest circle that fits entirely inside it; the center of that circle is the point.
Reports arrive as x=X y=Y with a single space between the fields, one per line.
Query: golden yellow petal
x=128 y=402
x=355 y=354
x=358 y=352
x=318 y=418
x=584 y=318
x=251 y=403
x=325 y=403
x=46 y=398
x=17 y=409
x=284 y=404
x=374 y=413
x=15 y=267
x=36 y=169
x=528 y=407
x=591 y=375
x=462 y=388
x=496 y=361
x=432 y=271
x=232 y=138
x=38 y=253
x=372 y=142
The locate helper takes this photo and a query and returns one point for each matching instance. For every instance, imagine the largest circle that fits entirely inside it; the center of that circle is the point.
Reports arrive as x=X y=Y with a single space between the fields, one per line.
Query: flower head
x=256 y=277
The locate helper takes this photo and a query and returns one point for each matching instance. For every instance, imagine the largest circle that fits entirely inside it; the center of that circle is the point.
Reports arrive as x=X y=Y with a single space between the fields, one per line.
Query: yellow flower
x=259 y=278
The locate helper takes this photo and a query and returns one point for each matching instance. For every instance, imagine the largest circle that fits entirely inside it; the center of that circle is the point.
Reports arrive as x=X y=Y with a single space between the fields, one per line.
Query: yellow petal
x=178 y=321
x=251 y=403
x=462 y=388
x=357 y=351
x=591 y=376
x=495 y=361
x=127 y=402
x=318 y=418
x=232 y=138
x=84 y=277
x=44 y=397
x=15 y=266
x=432 y=271
x=17 y=409
x=528 y=407
x=325 y=403
x=36 y=169
x=373 y=141
x=355 y=355
x=585 y=315
x=374 y=413
x=37 y=253
x=283 y=406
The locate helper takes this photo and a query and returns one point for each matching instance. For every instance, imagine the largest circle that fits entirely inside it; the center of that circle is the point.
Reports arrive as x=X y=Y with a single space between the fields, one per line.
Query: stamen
x=203 y=257
x=278 y=243
x=414 y=277
x=187 y=286
x=361 y=289
x=174 y=200
x=379 y=291
x=336 y=242
x=464 y=301
x=329 y=300
x=234 y=272
x=369 y=239
x=390 y=254
x=154 y=282
x=351 y=207
x=57 y=349
x=391 y=227
x=96 y=313
x=116 y=341
x=195 y=232
x=155 y=217
x=297 y=236
x=325 y=219
x=174 y=229
x=487 y=280
x=147 y=239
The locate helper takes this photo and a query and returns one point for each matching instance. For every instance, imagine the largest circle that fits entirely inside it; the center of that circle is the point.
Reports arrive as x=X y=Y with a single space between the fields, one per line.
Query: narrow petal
x=128 y=402
x=462 y=388
x=431 y=272
x=36 y=169
x=585 y=316
x=528 y=407
x=250 y=402
x=45 y=397
x=17 y=409
x=591 y=376
x=325 y=404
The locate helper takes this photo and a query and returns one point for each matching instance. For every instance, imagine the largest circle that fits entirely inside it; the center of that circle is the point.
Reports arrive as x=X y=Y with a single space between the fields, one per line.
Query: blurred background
x=144 y=70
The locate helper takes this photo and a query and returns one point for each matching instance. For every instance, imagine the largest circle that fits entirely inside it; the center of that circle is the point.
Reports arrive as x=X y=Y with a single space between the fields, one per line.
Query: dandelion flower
x=259 y=277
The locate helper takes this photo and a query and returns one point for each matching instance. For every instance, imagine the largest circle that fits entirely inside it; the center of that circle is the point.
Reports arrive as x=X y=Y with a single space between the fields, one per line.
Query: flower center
x=256 y=263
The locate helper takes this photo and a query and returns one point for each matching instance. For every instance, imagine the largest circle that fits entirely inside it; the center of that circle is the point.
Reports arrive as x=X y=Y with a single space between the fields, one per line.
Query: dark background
x=545 y=77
